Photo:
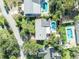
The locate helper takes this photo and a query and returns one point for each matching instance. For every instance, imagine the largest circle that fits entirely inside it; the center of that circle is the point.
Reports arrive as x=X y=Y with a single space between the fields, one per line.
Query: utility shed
x=32 y=8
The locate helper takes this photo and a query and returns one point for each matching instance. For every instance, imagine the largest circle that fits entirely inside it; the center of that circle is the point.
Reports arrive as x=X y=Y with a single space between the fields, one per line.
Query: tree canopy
x=59 y=8
x=8 y=45
x=32 y=47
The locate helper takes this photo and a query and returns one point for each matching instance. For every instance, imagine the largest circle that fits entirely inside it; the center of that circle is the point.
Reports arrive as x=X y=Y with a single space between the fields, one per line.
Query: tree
x=2 y=20
x=31 y=26
x=31 y=47
x=61 y=31
x=26 y=27
x=74 y=51
x=12 y=57
x=65 y=54
x=1 y=54
x=11 y=3
x=8 y=44
x=58 y=8
x=55 y=8
x=68 y=4
x=76 y=18
x=53 y=41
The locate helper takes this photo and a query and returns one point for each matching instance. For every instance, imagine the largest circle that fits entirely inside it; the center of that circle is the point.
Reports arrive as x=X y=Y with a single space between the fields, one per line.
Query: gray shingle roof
x=45 y=23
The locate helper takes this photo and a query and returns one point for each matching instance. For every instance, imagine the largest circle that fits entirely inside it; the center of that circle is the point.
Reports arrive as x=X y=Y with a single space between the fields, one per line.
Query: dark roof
x=66 y=19
x=32 y=15
x=54 y=54
x=52 y=51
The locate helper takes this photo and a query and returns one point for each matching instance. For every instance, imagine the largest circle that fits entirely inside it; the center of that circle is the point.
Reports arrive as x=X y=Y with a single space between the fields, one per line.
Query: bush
x=13 y=57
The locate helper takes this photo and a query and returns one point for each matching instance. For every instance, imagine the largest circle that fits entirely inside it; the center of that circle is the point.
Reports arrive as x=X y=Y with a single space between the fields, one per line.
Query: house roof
x=54 y=54
x=40 y=31
x=77 y=32
x=45 y=23
x=32 y=7
x=66 y=19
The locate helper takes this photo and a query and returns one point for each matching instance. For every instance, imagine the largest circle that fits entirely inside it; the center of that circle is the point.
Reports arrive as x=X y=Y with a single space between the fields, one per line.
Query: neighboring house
x=77 y=32
x=42 y=28
x=44 y=7
x=32 y=8
x=66 y=19
x=52 y=54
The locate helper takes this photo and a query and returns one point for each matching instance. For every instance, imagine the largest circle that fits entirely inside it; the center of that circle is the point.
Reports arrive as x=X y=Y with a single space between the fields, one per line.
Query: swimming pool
x=53 y=25
x=69 y=33
x=44 y=6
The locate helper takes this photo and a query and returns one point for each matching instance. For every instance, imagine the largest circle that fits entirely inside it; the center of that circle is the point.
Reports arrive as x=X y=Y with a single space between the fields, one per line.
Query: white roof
x=32 y=7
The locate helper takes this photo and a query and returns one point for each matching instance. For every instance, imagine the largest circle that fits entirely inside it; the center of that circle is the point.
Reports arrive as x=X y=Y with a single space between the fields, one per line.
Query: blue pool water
x=53 y=25
x=69 y=34
x=44 y=5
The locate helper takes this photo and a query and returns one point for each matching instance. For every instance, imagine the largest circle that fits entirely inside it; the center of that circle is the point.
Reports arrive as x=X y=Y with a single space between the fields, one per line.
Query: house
x=77 y=32
x=42 y=28
x=32 y=8
x=66 y=19
x=52 y=54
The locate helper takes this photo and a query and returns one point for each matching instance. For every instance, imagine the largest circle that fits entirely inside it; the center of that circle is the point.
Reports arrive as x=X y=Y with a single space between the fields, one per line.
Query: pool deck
x=72 y=42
